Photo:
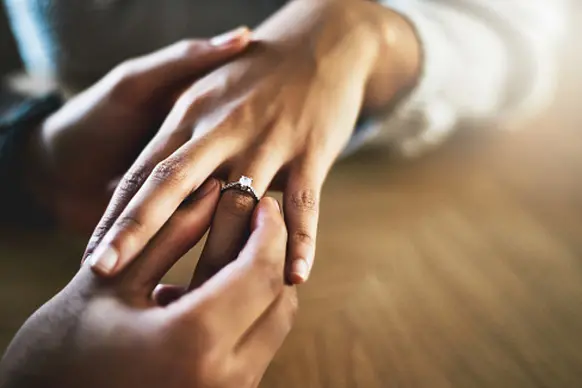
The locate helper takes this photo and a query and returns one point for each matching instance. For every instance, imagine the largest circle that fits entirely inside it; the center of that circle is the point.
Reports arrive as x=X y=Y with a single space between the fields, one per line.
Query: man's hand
x=115 y=334
x=80 y=152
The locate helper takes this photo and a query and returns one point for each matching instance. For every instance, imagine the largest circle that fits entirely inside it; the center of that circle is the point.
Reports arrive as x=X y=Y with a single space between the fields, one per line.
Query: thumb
x=142 y=76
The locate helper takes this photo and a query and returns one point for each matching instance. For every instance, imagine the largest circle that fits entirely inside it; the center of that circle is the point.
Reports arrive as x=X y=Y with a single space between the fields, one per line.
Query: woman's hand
x=114 y=334
x=281 y=114
x=79 y=152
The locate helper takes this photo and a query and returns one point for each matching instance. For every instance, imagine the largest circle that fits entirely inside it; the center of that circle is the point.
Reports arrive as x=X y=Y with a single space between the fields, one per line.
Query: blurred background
x=459 y=269
x=10 y=59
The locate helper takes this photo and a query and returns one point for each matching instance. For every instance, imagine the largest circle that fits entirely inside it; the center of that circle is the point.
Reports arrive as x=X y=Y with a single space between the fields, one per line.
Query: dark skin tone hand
x=127 y=332
x=79 y=154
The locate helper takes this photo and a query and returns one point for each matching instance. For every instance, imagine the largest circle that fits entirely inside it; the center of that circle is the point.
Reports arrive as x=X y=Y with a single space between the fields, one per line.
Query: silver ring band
x=244 y=184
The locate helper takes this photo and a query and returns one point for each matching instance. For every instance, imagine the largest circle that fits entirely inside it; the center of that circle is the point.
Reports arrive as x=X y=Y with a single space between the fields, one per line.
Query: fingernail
x=205 y=189
x=228 y=38
x=300 y=271
x=104 y=259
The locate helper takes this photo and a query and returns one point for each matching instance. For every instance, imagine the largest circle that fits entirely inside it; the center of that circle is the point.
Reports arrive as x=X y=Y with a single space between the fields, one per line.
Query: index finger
x=170 y=182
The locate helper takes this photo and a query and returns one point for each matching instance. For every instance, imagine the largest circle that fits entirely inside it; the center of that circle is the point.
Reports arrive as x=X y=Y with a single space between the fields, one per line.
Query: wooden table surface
x=460 y=269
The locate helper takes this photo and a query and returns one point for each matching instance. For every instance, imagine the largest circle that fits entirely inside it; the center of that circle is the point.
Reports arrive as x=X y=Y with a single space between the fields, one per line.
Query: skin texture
x=281 y=114
x=100 y=333
x=102 y=130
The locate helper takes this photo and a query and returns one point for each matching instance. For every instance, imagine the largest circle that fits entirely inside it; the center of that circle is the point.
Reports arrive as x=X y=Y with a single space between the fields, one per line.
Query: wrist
x=396 y=63
x=373 y=41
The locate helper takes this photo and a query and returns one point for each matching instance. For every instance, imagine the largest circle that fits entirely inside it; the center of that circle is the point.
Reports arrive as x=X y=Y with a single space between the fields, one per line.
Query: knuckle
x=98 y=234
x=129 y=224
x=132 y=182
x=170 y=171
x=303 y=236
x=196 y=97
x=218 y=117
x=92 y=244
x=127 y=187
x=184 y=107
x=124 y=70
x=187 y=47
x=305 y=200
x=124 y=78
x=238 y=204
x=240 y=113
x=192 y=104
x=102 y=228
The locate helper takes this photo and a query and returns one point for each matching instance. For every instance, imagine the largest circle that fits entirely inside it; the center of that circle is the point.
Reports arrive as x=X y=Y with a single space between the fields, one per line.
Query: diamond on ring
x=243 y=184
x=245 y=181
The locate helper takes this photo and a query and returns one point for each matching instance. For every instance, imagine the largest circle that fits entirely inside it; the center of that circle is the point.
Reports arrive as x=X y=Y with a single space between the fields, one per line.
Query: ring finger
x=231 y=225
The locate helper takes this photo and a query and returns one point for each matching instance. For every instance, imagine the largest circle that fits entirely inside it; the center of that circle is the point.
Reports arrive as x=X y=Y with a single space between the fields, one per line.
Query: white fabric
x=484 y=62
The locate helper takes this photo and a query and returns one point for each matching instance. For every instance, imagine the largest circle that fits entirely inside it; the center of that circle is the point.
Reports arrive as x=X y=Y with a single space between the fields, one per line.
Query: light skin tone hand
x=281 y=114
x=104 y=129
x=126 y=332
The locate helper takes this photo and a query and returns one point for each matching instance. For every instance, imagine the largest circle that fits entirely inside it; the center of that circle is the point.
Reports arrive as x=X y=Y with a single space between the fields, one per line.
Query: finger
x=156 y=151
x=167 y=186
x=230 y=227
x=258 y=346
x=149 y=73
x=143 y=77
x=182 y=231
x=301 y=205
x=165 y=294
x=239 y=294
